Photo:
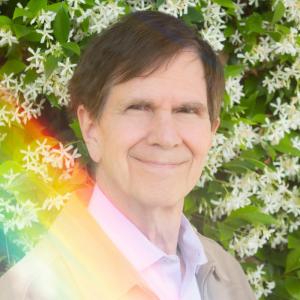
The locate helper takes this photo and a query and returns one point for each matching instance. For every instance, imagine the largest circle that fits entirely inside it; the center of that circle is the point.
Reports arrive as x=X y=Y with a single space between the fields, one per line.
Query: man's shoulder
x=227 y=268
x=42 y=264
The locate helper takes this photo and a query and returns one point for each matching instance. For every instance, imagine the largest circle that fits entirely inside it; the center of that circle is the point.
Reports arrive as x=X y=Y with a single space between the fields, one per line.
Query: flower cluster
x=42 y=155
x=177 y=7
x=262 y=286
x=214 y=25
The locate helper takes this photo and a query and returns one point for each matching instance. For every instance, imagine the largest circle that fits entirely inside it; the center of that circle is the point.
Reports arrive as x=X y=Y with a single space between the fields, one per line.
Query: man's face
x=154 y=134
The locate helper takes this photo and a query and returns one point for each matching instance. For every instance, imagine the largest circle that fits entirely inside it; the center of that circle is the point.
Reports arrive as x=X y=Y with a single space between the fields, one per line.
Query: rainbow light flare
x=38 y=176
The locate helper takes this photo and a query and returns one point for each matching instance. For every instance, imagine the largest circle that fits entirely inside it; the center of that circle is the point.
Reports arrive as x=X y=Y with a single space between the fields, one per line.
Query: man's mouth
x=160 y=164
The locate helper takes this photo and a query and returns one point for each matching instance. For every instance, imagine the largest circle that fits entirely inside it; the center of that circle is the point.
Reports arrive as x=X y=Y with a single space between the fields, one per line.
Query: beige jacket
x=77 y=261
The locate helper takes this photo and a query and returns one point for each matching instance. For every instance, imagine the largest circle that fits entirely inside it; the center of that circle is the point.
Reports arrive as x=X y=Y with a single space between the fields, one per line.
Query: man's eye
x=188 y=110
x=138 y=107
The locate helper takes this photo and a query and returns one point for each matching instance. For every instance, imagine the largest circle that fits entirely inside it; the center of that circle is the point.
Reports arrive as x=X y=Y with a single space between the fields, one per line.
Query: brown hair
x=139 y=42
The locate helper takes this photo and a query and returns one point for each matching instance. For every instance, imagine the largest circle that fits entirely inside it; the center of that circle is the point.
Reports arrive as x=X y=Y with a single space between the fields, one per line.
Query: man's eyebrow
x=151 y=103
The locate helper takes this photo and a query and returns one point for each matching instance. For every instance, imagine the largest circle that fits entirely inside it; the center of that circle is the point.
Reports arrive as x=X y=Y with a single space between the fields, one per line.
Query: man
x=147 y=93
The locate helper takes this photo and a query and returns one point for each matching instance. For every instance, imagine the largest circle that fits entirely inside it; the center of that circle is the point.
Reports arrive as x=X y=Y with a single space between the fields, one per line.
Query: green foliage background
x=259 y=129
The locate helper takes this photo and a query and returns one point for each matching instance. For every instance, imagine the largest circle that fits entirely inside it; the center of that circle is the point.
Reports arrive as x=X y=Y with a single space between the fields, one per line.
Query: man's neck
x=160 y=226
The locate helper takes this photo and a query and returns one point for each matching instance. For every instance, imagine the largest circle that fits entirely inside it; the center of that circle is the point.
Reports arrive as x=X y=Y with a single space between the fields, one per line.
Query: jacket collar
x=212 y=265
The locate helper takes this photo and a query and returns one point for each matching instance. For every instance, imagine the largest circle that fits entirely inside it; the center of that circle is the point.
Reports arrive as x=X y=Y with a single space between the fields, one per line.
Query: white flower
x=234 y=89
x=296 y=142
x=292 y=10
x=288 y=44
x=279 y=78
x=101 y=15
x=23 y=215
x=257 y=279
x=36 y=60
x=239 y=9
x=75 y=4
x=66 y=68
x=214 y=36
x=255 y=2
x=140 y=4
x=230 y=203
x=54 y=49
x=235 y=38
x=46 y=34
x=8 y=81
x=32 y=162
x=245 y=135
x=56 y=202
x=177 y=8
x=247 y=243
x=7 y=38
x=279 y=239
x=4 y=116
x=212 y=14
x=288 y=166
x=44 y=18
x=10 y=177
x=60 y=158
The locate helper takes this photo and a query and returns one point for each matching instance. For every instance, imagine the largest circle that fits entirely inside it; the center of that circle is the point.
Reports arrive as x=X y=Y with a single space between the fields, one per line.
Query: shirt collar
x=140 y=251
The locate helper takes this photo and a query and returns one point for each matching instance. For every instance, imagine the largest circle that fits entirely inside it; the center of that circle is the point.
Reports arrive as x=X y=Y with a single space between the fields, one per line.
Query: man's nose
x=163 y=131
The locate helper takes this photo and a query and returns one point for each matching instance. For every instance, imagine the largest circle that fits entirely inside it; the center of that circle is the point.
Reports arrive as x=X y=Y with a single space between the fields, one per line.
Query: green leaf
x=225 y=3
x=255 y=163
x=53 y=101
x=259 y=118
x=292 y=285
x=238 y=166
x=5 y=22
x=21 y=30
x=293 y=261
x=229 y=31
x=76 y=128
x=34 y=6
x=254 y=23
x=253 y=215
x=55 y=6
x=159 y=3
x=12 y=66
x=72 y=47
x=22 y=12
x=270 y=151
x=190 y=205
x=227 y=228
x=30 y=76
x=284 y=30
x=194 y=15
x=285 y=146
x=278 y=12
x=293 y=242
x=32 y=36
x=61 y=26
x=233 y=70
x=50 y=65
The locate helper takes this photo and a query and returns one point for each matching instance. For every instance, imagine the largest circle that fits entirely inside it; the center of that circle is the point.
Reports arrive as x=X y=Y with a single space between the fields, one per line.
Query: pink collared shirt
x=160 y=271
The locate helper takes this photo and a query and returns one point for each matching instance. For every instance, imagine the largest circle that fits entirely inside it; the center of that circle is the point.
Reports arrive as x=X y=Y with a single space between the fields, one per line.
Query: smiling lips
x=158 y=164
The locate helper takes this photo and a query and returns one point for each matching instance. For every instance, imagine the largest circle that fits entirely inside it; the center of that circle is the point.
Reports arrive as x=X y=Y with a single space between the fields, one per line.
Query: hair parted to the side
x=139 y=42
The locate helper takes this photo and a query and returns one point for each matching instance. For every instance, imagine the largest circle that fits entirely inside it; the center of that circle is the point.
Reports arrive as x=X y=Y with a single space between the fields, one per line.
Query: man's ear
x=90 y=133
x=215 y=126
